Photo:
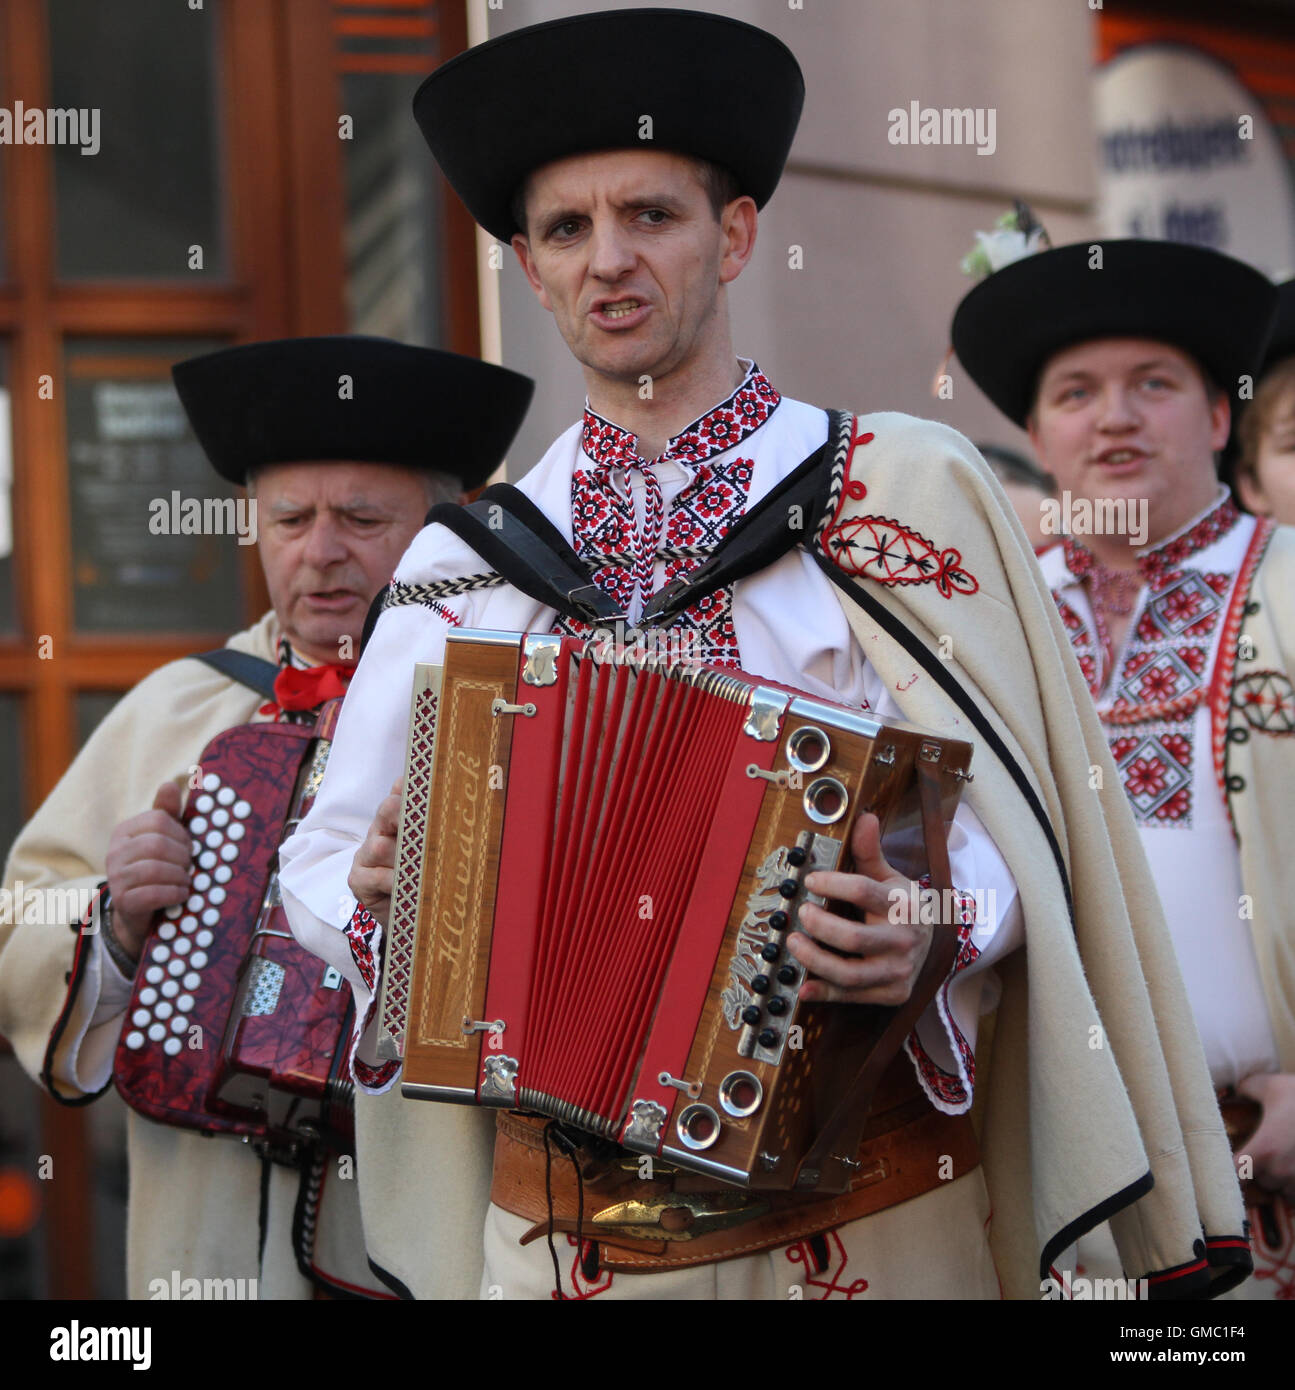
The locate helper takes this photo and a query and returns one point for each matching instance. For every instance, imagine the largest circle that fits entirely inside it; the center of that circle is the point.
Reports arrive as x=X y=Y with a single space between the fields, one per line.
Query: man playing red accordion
x=343 y=442
x=625 y=156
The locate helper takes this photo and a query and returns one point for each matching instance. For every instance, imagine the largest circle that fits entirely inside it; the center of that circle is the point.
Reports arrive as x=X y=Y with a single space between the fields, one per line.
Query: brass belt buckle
x=679 y=1215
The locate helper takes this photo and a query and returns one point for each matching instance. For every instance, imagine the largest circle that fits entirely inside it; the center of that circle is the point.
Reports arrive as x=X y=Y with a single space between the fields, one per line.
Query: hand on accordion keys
x=148 y=868
x=373 y=869
x=877 y=960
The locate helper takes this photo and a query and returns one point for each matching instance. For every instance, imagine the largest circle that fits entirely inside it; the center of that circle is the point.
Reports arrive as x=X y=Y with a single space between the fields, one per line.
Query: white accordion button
x=242 y=809
x=179 y=1023
x=204 y=938
x=166 y=931
x=195 y=847
x=202 y=882
x=153 y=974
x=148 y=995
x=157 y=1031
x=173 y=912
x=192 y=980
x=198 y=824
x=217 y=895
x=198 y=960
x=229 y=852
x=163 y=1009
x=195 y=902
x=189 y=923
x=172 y=1046
x=210 y=917
x=236 y=831
x=140 y=1017
x=176 y=967
x=225 y=795
x=202 y=802
x=206 y=860
x=182 y=946
x=220 y=819
x=211 y=782
x=169 y=990
x=161 y=953
x=223 y=873
x=184 y=1003
x=214 y=840
x=135 y=1040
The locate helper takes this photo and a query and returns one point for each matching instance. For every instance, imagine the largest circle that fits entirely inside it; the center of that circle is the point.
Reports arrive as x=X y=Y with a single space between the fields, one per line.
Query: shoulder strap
x=510 y=532
x=785 y=516
x=252 y=671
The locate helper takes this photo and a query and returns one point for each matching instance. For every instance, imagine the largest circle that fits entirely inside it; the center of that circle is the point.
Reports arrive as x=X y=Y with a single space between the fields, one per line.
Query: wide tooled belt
x=654 y=1216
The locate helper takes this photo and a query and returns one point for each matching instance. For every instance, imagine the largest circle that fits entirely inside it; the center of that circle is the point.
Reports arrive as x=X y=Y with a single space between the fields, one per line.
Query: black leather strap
x=252 y=671
x=509 y=532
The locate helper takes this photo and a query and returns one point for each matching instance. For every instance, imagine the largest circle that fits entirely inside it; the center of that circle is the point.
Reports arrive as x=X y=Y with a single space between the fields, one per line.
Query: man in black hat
x=632 y=206
x=1121 y=359
x=343 y=443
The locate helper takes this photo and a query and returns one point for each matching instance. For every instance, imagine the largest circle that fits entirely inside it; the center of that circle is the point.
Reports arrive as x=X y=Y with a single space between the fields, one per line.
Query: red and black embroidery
x=942 y=1086
x=1266 y=700
x=825 y=1266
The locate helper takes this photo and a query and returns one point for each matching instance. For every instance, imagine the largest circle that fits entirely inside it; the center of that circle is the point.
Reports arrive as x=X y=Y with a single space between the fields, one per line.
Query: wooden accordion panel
x=600 y=862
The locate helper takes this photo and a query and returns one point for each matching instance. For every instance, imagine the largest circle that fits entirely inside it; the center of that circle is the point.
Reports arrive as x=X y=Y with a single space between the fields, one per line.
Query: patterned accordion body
x=599 y=864
x=232 y=1027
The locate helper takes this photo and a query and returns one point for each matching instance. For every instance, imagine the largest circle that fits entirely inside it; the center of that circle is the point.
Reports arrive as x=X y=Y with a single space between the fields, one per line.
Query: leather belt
x=675 y=1219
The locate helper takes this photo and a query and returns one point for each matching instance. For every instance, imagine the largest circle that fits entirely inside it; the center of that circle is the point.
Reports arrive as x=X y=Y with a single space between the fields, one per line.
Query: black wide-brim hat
x=284 y=402
x=1282 y=342
x=714 y=88
x=1216 y=309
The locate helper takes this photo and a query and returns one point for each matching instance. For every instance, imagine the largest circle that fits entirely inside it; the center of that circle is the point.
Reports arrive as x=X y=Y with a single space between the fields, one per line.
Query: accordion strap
x=252 y=671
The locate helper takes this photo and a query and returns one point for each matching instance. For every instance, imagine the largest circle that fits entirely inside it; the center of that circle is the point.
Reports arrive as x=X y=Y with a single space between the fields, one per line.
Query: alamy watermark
x=179 y=1288
x=944 y=125
x=1067 y=515
x=40 y=907
x=930 y=906
x=203 y=516
x=63 y=125
x=1063 y=1284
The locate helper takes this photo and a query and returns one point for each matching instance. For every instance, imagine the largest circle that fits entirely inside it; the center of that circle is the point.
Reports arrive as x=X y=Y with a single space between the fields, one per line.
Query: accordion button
x=770 y=952
x=148 y=995
x=214 y=839
x=201 y=882
x=157 y=1031
x=210 y=917
x=788 y=888
x=225 y=795
x=153 y=974
x=179 y=1023
x=176 y=967
x=166 y=931
x=223 y=874
x=170 y=988
x=198 y=825
x=203 y=803
x=760 y=984
x=777 y=1005
x=787 y=975
x=242 y=809
x=141 y=1017
x=778 y=921
x=229 y=852
x=183 y=946
x=211 y=782
x=204 y=938
x=163 y=1009
x=796 y=857
x=192 y=980
x=217 y=895
x=189 y=924
x=195 y=902
x=220 y=819
x=173 y=912
x=768 y=1037
x=172 y=1046
x=184 y=1003
x=135 y=1040
x=161 y=953
x=236 y=831
x=206 y=860
x=195 y=846
x=751 y=1015
x=198 y=959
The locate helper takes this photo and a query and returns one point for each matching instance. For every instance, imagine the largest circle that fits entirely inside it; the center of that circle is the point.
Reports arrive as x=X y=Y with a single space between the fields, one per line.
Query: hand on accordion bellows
x=148 y=868
x=882 y=958
x=373 y=870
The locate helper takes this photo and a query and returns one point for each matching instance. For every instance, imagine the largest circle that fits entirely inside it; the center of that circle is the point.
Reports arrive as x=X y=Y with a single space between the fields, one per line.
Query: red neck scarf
x=304 y=688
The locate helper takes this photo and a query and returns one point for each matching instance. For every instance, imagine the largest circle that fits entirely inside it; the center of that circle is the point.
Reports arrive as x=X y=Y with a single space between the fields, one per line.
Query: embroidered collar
x=1164 y=559
x=725 y=425
x=288 y=657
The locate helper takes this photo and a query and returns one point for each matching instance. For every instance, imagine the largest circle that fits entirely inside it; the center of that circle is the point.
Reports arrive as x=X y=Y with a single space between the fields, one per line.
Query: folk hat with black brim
x=351 y=399
x=1282 y=343
x=673 y=80
x=1216 y=309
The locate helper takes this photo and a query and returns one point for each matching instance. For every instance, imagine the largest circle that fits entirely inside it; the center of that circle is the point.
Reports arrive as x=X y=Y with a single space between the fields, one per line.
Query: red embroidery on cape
x=940 y=1084
x=831 y=1283
x=881 y=549
x=359 y=932
x=1274 y=1264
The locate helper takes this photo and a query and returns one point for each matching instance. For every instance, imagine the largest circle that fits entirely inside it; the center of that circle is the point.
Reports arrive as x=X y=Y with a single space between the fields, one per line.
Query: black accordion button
x=787 y=975
x=771 y=951
x=768 y=1037
x=777 y=1005
x=796 y=857
x=751 y=1015
x=777 y=922
x=789 y=888
x=760 y=984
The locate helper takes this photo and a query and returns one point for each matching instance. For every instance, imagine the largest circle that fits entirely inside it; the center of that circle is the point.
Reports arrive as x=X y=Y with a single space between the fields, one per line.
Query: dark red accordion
x=232 y=1027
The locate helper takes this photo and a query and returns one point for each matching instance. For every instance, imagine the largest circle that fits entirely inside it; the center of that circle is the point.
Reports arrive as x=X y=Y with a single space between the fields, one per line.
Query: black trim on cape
x=75 y=976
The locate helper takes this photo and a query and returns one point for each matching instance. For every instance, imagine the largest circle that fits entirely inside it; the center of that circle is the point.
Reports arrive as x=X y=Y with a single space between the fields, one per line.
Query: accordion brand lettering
x=77 y=1343
x=453 y=923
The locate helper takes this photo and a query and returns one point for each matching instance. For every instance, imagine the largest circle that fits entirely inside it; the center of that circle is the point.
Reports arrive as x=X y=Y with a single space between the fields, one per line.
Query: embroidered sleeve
x=361 y=932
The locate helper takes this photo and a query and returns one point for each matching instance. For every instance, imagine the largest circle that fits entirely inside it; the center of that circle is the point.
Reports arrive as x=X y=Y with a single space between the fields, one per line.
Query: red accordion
x=600 y=862
x=232 y=1027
